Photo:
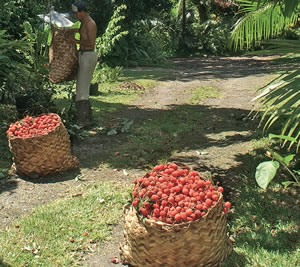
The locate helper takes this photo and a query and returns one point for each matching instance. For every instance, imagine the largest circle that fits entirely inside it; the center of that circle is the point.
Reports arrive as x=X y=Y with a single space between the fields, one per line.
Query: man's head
x=78 y=8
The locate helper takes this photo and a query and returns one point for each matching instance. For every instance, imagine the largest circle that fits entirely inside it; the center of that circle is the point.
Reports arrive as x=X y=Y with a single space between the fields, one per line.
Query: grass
x=277 y=47
x=110 y=97
x=156 y=138
x=63 y=232
x=203 y=93
x=265 y=225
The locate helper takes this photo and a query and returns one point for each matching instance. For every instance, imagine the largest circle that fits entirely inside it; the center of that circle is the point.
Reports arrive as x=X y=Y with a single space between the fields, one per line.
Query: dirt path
x=226 y=133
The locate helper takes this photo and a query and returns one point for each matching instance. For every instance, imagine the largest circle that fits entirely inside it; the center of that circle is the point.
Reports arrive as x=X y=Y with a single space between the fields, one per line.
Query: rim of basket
x=45 y=134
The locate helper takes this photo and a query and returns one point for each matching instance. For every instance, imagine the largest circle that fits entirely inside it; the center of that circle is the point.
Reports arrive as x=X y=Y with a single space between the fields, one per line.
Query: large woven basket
x=44 y=154
x=203 y=242
x=62 y=58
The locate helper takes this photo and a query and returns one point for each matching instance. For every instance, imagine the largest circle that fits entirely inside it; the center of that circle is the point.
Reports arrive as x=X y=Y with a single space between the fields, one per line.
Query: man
x=87 y=59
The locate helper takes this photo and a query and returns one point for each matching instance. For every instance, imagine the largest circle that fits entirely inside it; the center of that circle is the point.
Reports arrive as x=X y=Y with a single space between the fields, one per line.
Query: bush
x=209 y=38
x=12 y=71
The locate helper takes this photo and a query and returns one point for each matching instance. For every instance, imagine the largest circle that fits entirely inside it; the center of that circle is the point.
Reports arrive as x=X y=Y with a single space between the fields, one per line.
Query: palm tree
x=281 y=99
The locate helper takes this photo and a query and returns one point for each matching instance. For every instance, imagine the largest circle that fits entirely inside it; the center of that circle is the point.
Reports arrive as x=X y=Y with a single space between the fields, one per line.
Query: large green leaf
x=265 y=172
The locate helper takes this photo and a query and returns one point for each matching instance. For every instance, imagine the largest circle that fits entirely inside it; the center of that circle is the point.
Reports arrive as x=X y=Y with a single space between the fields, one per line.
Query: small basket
x=62 y=58
x=149 y=243
x=44 y=154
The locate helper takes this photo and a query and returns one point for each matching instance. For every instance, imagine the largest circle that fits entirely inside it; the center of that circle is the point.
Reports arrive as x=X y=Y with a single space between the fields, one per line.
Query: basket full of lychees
x=175 y=218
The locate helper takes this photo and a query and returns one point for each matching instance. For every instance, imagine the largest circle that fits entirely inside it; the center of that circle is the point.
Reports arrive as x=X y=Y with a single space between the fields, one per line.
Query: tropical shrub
x=210 y=38
x=14 y=12
x=106 y=73
x=106 y=43
x=280 y=101
x=37 y=87
x=12 y=71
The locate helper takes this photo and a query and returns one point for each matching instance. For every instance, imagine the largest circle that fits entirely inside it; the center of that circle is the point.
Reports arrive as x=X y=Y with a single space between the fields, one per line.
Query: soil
x=222 y=140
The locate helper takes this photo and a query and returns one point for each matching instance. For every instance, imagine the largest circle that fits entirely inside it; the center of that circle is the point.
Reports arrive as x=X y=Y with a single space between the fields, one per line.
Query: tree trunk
x=183 y=19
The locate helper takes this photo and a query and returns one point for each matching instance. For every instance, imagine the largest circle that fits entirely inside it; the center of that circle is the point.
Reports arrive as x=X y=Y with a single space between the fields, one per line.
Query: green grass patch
x=156 y=138
x=203 y=93
x=265 y=226
x=110 y=98
x=60 y=234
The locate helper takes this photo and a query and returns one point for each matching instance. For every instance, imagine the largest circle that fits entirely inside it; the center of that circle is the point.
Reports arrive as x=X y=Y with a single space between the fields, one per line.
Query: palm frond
x=282 y=105
x=291 y=7
x=258 y=24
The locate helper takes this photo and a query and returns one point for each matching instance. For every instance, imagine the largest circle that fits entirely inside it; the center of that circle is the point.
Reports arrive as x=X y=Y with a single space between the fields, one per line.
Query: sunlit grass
x=264 y=226
x=203 y=93
x=66 y=230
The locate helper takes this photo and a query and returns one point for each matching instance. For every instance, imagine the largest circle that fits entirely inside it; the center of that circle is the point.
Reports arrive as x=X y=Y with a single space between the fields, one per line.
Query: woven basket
x=203 y=242
x=62 y=58
x=44 y=154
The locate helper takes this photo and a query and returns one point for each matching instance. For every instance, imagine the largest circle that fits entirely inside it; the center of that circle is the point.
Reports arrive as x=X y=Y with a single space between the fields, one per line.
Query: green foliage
x=38 y=54
x=209 y=38
x=14 y=12
x=262 y=20
x=146 y=44
x=37 y=86
x=105 y=45
x=281 y=105
x=123 y=127
x=12 y=71
x=143 y=9
x=113 y=33
x=105 y=73
x=151 y=42
x=200 y=36
x=267 y=170
x=143 y=36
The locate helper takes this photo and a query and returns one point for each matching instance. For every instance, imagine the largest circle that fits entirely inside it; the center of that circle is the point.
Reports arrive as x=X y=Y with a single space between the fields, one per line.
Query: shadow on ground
x=158 y=133
x=216 y=68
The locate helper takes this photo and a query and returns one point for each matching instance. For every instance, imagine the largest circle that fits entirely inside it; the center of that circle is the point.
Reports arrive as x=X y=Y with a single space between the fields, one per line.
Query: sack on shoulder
x=62 y=58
